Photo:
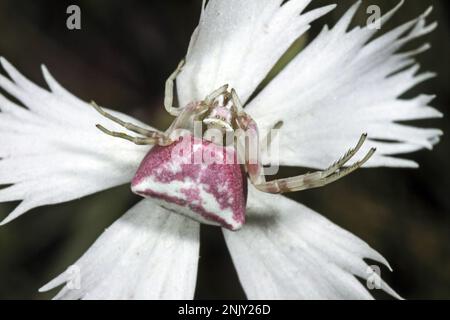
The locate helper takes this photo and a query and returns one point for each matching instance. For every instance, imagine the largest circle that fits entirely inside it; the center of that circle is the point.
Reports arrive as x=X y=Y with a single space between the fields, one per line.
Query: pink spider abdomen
x=196 y=178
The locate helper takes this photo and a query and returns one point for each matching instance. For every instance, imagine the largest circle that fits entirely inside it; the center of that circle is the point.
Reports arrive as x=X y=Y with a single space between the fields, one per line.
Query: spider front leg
x=317 y=179
x=194 y=111
x=186 y=119
x=151 y=136
x=215 y=94
x=168 y=96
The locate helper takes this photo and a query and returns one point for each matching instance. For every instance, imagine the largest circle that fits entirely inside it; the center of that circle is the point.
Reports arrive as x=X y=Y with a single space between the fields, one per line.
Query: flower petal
x=343 y=85
x=287 y=251
x=238 y=42
x=149 y=253
x=51 y=151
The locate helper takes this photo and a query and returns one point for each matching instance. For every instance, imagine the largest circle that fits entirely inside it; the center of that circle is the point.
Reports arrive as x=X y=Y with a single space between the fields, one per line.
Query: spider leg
x=317 y=179
x=135 y=140
x=350 y=153
x=236 y=101
x=215 y=94
x=126 y=125
x=168 y=96
x=187 y=117
x=150 y=135
x=193 y=111
x=311 y=180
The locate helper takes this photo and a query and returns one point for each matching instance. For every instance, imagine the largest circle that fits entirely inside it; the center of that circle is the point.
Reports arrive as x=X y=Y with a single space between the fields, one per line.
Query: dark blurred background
x=121 y=57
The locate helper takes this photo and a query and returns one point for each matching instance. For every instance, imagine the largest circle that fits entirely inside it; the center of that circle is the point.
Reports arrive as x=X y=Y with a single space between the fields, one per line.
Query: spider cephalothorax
x=193 y=172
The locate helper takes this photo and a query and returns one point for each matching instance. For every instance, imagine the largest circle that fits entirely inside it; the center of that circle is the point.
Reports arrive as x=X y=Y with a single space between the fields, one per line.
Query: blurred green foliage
x=121 y=57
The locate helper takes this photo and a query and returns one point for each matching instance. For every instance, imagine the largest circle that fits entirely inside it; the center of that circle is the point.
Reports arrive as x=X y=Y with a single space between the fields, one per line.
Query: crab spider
x=212 y=193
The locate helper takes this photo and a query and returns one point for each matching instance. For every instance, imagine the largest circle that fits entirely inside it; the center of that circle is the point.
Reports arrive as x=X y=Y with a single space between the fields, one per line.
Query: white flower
x=344 y=83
